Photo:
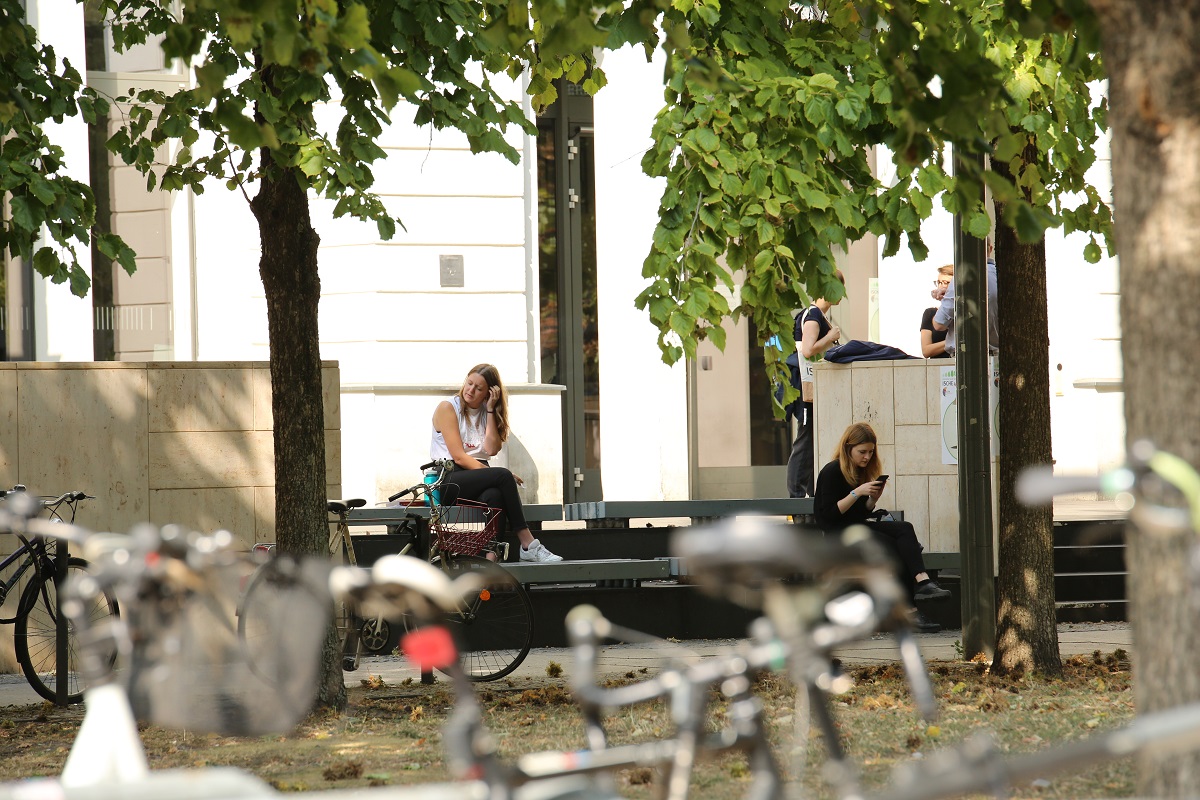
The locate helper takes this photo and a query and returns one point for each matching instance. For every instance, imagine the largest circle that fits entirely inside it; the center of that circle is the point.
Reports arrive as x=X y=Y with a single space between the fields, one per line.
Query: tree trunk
x=1150 y=51
x=1026 y=626
x=288 y=268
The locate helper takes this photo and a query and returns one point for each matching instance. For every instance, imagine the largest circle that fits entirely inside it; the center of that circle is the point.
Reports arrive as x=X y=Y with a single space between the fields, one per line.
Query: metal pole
x=61 y=629
x=973 y=377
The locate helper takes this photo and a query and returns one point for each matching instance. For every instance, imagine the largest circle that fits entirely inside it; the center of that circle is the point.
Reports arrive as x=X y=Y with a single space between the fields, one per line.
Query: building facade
x=533 y=267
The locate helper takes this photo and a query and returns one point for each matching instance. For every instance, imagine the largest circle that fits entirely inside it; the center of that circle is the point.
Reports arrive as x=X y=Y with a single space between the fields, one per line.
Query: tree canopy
x=37 y=90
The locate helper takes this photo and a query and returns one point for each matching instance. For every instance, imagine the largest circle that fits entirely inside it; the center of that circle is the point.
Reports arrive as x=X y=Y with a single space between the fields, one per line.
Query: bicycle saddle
x=342 y=506
x=749 y=550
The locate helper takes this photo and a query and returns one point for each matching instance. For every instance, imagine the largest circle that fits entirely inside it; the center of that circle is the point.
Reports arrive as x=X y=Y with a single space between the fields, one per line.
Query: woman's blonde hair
x=492 y=376
x=947 y=270
x=856 y=434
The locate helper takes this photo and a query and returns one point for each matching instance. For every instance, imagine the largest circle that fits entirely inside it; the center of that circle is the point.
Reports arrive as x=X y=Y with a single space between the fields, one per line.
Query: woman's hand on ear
x=493 y=398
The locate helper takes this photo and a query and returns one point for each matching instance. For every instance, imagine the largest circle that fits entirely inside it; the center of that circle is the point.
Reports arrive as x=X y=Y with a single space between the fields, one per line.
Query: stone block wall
x=162 y=442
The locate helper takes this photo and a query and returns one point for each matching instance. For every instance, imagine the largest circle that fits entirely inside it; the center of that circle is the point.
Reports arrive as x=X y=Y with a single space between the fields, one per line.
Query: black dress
x=899 y=537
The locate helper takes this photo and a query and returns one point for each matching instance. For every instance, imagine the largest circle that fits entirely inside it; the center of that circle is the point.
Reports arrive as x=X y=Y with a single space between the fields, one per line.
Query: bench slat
x=628 y=509
x=382 y=515
x=593 y=570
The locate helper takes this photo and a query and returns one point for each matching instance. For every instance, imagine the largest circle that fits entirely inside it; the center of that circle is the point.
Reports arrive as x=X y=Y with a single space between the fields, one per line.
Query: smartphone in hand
x=882 y=479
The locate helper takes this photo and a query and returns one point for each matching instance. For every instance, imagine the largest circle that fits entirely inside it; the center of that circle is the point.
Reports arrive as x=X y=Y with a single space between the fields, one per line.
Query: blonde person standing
x=933 y=341
x=470 y=428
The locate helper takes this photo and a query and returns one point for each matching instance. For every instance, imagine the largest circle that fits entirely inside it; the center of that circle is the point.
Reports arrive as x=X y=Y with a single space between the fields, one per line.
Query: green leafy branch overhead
x=769 y=150
x=49 y=213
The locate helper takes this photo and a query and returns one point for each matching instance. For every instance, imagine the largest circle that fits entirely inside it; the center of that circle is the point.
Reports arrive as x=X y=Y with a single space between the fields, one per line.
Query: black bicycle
x=29 y=573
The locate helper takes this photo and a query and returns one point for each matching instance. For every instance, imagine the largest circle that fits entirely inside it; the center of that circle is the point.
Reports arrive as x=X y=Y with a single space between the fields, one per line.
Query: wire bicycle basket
x=465 y=528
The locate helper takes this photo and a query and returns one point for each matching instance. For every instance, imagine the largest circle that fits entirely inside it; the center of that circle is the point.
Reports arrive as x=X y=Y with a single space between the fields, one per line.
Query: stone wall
x=161 y=442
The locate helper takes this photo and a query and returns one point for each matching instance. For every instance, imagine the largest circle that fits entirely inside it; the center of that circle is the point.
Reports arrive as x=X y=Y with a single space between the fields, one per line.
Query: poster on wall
x=948 y=388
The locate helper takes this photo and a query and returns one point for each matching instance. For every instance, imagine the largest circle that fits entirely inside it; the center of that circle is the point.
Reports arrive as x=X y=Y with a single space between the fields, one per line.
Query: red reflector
x=429 y=648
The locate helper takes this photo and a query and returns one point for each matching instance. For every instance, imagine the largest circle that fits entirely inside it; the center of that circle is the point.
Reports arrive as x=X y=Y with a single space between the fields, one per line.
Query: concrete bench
x=617 y=513
x=391 y=515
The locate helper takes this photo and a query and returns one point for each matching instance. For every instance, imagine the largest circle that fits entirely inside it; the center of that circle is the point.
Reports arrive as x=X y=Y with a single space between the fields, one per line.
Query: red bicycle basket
x=466 y=527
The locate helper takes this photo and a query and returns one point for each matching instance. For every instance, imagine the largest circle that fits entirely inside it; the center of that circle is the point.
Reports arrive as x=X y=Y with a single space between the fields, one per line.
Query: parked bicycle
x=31 y=573
x=183 y=665
x=492 y=628
x=254 y=621
x=978 y=765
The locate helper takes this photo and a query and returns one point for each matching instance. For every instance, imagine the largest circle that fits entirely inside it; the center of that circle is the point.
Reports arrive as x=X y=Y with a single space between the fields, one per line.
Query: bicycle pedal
x=350 y=664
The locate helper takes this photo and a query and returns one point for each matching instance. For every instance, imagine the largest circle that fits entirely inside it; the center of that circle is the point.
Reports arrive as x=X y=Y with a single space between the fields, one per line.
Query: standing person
x=470 y=428
x=933 y=341
x=943 y=320
x=847 y=489
x=814 y=334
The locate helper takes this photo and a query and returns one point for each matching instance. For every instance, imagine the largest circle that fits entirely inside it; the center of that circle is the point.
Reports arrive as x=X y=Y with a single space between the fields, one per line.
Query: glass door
x=570 y=351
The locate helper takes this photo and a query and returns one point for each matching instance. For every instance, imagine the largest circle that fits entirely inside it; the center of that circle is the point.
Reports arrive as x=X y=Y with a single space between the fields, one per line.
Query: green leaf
x=708 y=141
x=979 y=225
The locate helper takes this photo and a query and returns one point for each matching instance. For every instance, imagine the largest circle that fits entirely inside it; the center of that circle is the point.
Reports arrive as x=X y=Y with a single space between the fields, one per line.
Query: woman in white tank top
x=470 y=428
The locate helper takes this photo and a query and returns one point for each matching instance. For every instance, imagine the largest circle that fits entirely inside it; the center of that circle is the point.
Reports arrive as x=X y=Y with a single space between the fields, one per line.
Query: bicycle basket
x=465 y=528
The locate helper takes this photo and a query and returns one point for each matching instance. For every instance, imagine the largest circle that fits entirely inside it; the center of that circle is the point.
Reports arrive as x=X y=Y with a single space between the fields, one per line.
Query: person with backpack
x=814 y=334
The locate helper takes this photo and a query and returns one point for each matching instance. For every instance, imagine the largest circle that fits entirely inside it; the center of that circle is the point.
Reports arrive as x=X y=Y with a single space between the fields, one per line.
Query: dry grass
x=391 y=734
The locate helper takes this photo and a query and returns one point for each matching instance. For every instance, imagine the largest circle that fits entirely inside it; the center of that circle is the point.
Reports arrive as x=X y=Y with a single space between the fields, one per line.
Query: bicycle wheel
x=375 y=634
x=34 y=636
x=494 y=627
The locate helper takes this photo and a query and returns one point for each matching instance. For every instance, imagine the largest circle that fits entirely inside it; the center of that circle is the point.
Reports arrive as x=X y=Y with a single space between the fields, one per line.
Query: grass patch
x=391 y=735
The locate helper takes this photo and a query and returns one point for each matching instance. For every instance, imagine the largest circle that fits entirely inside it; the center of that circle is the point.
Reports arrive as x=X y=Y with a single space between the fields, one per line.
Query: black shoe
x=929 y=590
x=924 y=624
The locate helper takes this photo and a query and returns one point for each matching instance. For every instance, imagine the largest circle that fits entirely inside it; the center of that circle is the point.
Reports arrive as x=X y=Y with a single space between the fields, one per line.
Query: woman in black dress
x=847 y=489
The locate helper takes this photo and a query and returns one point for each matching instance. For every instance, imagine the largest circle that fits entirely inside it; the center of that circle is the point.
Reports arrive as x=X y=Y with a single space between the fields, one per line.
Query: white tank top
x=471 y=428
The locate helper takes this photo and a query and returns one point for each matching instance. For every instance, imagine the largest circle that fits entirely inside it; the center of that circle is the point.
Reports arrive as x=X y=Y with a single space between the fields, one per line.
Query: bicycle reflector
x=429 y=648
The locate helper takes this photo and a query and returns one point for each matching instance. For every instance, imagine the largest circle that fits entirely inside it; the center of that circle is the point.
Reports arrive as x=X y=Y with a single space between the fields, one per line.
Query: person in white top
x=470 y=428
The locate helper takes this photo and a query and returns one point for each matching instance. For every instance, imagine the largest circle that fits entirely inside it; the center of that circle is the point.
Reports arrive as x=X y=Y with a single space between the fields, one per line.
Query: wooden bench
x=617 y=513
x=391 y=515
x=622 y=571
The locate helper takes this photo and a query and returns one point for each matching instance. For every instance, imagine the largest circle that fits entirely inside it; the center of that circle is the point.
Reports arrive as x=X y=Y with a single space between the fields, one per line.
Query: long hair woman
x=471 y=427
x=847 y=490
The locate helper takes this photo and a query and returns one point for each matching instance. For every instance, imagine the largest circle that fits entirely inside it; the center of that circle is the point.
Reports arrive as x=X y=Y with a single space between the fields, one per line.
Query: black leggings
x=901 y=539
x=494 y=486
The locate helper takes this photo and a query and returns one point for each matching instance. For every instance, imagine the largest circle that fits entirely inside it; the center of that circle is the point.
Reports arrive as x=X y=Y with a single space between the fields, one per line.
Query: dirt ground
x=391 y=734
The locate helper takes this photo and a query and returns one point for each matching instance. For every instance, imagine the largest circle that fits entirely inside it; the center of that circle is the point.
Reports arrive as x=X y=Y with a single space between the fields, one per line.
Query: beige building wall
x=159 y=442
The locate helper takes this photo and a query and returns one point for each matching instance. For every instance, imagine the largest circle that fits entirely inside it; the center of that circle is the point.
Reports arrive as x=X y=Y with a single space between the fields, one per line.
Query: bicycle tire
x=494 y=628
x=34 y=636
x=261 y=633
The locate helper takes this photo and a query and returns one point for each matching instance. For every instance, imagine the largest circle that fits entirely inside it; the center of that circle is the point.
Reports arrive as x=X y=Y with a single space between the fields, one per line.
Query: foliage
x=771 y=174
x=38 y=91
x=768 y=154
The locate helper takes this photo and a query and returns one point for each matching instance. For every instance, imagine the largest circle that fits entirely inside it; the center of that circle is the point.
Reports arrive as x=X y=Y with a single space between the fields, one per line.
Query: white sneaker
x=538 y=552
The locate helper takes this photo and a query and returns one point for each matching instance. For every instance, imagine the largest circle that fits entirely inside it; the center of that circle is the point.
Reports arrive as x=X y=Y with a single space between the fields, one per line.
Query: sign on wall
x=948 y=405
